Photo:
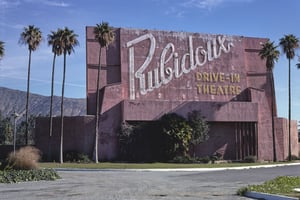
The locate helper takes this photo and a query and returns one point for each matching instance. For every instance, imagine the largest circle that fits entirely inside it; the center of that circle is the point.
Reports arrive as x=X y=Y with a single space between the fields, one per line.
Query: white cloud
x=203 y=4
x=174 y=11
x=181 y=8
x=209 y=4
x=48 y=3
x=56 y=4
x=8 y=4
x=14 y=3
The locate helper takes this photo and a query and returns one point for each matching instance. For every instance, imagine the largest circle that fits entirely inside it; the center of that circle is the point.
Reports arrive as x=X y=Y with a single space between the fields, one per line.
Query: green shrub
x=73 y=156
x=250 y=159
x=16 y=176
x=205 y=159
x=189 y=159
x=199 y=125
x=178 y=134
x=183 y=159
x=162 y=140
x=25 y=158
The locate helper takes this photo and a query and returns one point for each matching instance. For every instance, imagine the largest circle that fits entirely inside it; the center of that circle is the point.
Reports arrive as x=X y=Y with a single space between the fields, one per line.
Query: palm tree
x=1 y=49
x=104 y=36
x=32 y=37
x=68 y=41
x=271 y=54
x=54 y=40
x=289 y=43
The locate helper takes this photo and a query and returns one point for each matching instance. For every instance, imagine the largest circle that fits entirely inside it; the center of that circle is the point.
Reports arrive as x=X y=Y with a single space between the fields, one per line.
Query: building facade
x=146 y=74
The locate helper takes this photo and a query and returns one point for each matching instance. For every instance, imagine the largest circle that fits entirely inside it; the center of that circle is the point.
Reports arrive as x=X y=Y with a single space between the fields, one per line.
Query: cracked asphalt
x=144 y=185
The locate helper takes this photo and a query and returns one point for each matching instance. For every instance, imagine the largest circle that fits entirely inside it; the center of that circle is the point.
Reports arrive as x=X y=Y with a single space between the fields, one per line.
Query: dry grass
x=25 y=158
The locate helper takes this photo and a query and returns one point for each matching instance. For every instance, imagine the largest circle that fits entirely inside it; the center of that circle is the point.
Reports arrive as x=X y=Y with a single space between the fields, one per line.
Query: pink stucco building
x=147 y=73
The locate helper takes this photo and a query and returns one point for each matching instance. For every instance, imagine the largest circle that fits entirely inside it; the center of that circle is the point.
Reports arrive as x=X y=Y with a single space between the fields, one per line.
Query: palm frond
x=31 y=36
x=270 y=53
x=104 y=34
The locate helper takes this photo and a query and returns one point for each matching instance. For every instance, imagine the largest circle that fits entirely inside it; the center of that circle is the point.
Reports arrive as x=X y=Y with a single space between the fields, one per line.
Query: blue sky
x=255 y=18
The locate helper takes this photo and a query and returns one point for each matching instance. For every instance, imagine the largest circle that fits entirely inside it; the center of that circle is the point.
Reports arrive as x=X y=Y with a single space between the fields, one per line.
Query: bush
x=178 y=134
x=189 y=159
x=250 y=159
x=74 y=156
x=183 y=159
x=205 y=159
x=200 y=127
x=25 y=158
x=15 y=176
x=161 y=140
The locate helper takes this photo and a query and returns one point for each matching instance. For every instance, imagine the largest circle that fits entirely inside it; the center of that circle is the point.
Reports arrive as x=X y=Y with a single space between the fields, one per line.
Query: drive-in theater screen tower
x=146 y=74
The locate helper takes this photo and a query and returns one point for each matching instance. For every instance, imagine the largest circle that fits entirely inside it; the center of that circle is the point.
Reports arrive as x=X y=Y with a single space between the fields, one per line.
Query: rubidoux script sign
x=163 y=63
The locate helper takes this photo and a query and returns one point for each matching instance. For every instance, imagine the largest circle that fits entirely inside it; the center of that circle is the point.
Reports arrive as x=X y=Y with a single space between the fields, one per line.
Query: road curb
x=183 y=169
x=266 y=196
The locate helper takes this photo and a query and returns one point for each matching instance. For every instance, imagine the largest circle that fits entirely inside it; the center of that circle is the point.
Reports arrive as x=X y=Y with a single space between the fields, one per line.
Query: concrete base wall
x=224 y=138
x=282 y=138
x=78 y=136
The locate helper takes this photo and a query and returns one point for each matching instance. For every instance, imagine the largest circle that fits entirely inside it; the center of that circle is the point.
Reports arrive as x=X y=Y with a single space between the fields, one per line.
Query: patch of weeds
x=282 y=185
x=242 y=191
x=26 y=158
x=16 y=176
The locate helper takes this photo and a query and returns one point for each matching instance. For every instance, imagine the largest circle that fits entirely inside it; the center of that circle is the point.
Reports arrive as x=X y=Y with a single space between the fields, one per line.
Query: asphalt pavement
x=145 y=184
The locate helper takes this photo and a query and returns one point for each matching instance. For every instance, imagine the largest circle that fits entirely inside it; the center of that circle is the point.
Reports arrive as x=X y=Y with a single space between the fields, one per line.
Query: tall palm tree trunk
x=27 y=99
x=62 y=110
x=51 y=105
x=289 y=131
x=272 y=112
x=97 y=109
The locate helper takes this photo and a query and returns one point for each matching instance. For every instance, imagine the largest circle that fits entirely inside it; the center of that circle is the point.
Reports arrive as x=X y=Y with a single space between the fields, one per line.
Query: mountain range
x=15 y=101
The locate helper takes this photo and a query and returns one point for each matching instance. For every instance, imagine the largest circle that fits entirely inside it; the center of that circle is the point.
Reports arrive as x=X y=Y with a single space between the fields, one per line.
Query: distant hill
x=15 y=100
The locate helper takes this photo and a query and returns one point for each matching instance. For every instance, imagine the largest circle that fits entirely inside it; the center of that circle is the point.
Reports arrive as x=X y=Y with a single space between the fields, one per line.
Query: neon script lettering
x=170 y=64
